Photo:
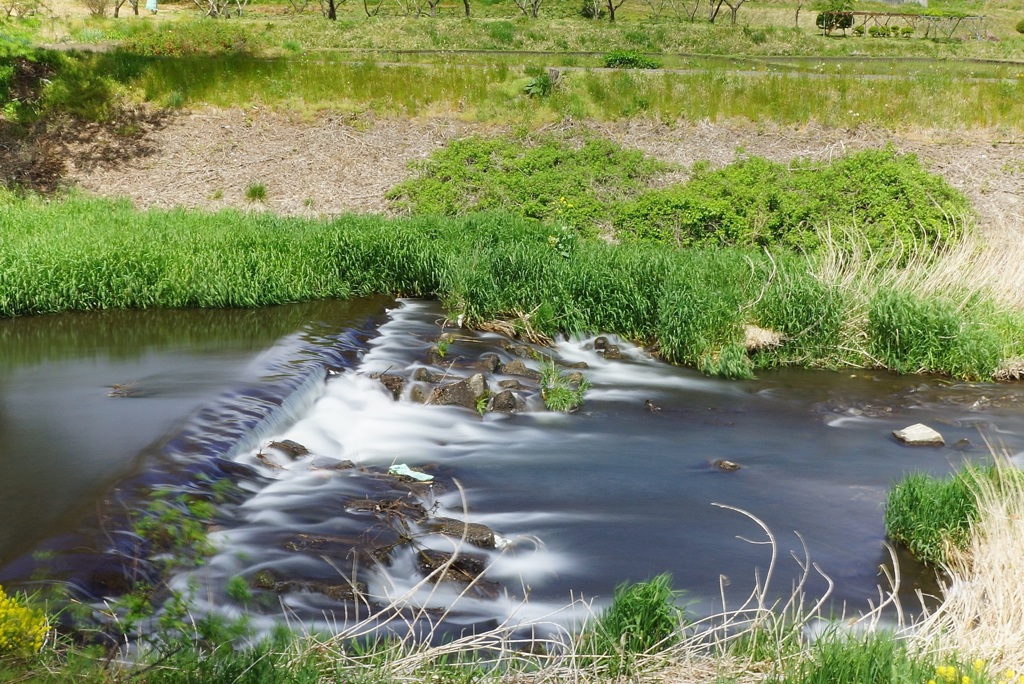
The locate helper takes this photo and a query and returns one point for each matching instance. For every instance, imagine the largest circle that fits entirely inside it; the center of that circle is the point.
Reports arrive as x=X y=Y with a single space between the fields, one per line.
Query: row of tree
x=592 y=9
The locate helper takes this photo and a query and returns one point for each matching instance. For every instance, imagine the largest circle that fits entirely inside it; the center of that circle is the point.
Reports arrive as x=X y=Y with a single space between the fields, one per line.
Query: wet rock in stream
x=506 y=401
x=394 y=383
x=919 y=434
x=518 y=368
x=474 y=533
x=462 y=568
x=290 y=448
x=465 y=393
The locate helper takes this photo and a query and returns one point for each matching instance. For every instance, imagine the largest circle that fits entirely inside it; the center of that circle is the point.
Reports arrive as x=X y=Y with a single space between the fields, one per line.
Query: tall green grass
x=933 y=517
x=644 y=618
x=79 y=253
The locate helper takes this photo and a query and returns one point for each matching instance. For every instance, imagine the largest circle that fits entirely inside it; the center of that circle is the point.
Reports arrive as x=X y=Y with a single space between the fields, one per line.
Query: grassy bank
x=94 y=86
x=694 y=305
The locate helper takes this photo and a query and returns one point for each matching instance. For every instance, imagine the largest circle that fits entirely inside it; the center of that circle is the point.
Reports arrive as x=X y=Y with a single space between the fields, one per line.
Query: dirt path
x=334 y=164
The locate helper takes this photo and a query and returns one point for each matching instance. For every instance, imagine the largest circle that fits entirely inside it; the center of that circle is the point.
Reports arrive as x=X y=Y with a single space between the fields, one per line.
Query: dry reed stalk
x=518 y=327
x=982 y=611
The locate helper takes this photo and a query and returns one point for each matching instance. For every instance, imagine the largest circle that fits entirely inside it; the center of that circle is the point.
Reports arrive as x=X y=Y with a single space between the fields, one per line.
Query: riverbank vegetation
x=692 y=306
x=645 y=635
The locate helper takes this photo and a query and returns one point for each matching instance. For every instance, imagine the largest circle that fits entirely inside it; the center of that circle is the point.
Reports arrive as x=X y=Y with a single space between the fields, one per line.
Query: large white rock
x=919 y=435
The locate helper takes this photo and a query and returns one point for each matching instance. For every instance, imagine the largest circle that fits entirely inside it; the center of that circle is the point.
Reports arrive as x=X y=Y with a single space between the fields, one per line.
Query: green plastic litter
x=406 y=471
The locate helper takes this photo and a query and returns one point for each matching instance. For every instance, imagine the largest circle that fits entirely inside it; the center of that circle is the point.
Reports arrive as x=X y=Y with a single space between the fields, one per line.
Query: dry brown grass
x=982 y=611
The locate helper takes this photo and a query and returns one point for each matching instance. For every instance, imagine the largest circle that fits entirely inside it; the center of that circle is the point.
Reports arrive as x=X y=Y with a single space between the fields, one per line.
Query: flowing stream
x=98 y=410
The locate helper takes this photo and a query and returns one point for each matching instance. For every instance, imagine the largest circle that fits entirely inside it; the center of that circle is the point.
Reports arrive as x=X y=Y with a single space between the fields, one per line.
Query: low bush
x=878 y=197
x=833 y=21
x=540 y=178
x=1020 y=26
x=629 y=59
x=200 y=37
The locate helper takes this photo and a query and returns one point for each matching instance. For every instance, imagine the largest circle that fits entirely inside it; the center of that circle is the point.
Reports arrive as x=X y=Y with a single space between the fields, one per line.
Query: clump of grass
x=933 y=517
x=877 y=657
x=913 y=335
x=256 y=192
x=982 y=609
x=643 y=618
x=561 y=392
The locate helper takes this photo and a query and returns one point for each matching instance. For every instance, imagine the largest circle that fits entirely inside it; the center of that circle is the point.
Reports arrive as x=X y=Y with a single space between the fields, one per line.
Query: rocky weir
x=404 y=471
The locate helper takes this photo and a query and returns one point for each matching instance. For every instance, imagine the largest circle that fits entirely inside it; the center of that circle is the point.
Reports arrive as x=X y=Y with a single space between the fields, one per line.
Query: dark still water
x=578 y=502
x=83 y=395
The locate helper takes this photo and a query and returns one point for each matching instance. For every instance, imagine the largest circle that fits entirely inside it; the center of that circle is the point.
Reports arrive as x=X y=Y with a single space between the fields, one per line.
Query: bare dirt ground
x=335 y=164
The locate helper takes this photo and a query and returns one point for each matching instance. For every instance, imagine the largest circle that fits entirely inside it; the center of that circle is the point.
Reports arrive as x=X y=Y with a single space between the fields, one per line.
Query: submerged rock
x=474 y=533
x=919 y=434
x=726 y=465
x=442 y=566
x=523 y=351
x=289 y=447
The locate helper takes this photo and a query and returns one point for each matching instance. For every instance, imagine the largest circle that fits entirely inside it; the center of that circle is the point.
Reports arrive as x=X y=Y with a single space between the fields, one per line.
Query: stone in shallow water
x=463 y=393
x=919 y=434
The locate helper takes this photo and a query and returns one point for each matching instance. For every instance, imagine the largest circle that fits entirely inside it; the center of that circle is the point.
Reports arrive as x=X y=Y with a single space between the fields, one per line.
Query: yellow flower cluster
x=948 y=674
x=22 y=629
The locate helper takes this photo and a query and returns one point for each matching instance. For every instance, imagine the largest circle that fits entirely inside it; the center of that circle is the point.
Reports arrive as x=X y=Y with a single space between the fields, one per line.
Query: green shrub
x=1020 y=26
x=629 y=59
x=834 y=20
x=933 y=516
x=539 y=86
x=877 y=198
x=542 y=178
x=746 y=204
x=199 y=37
